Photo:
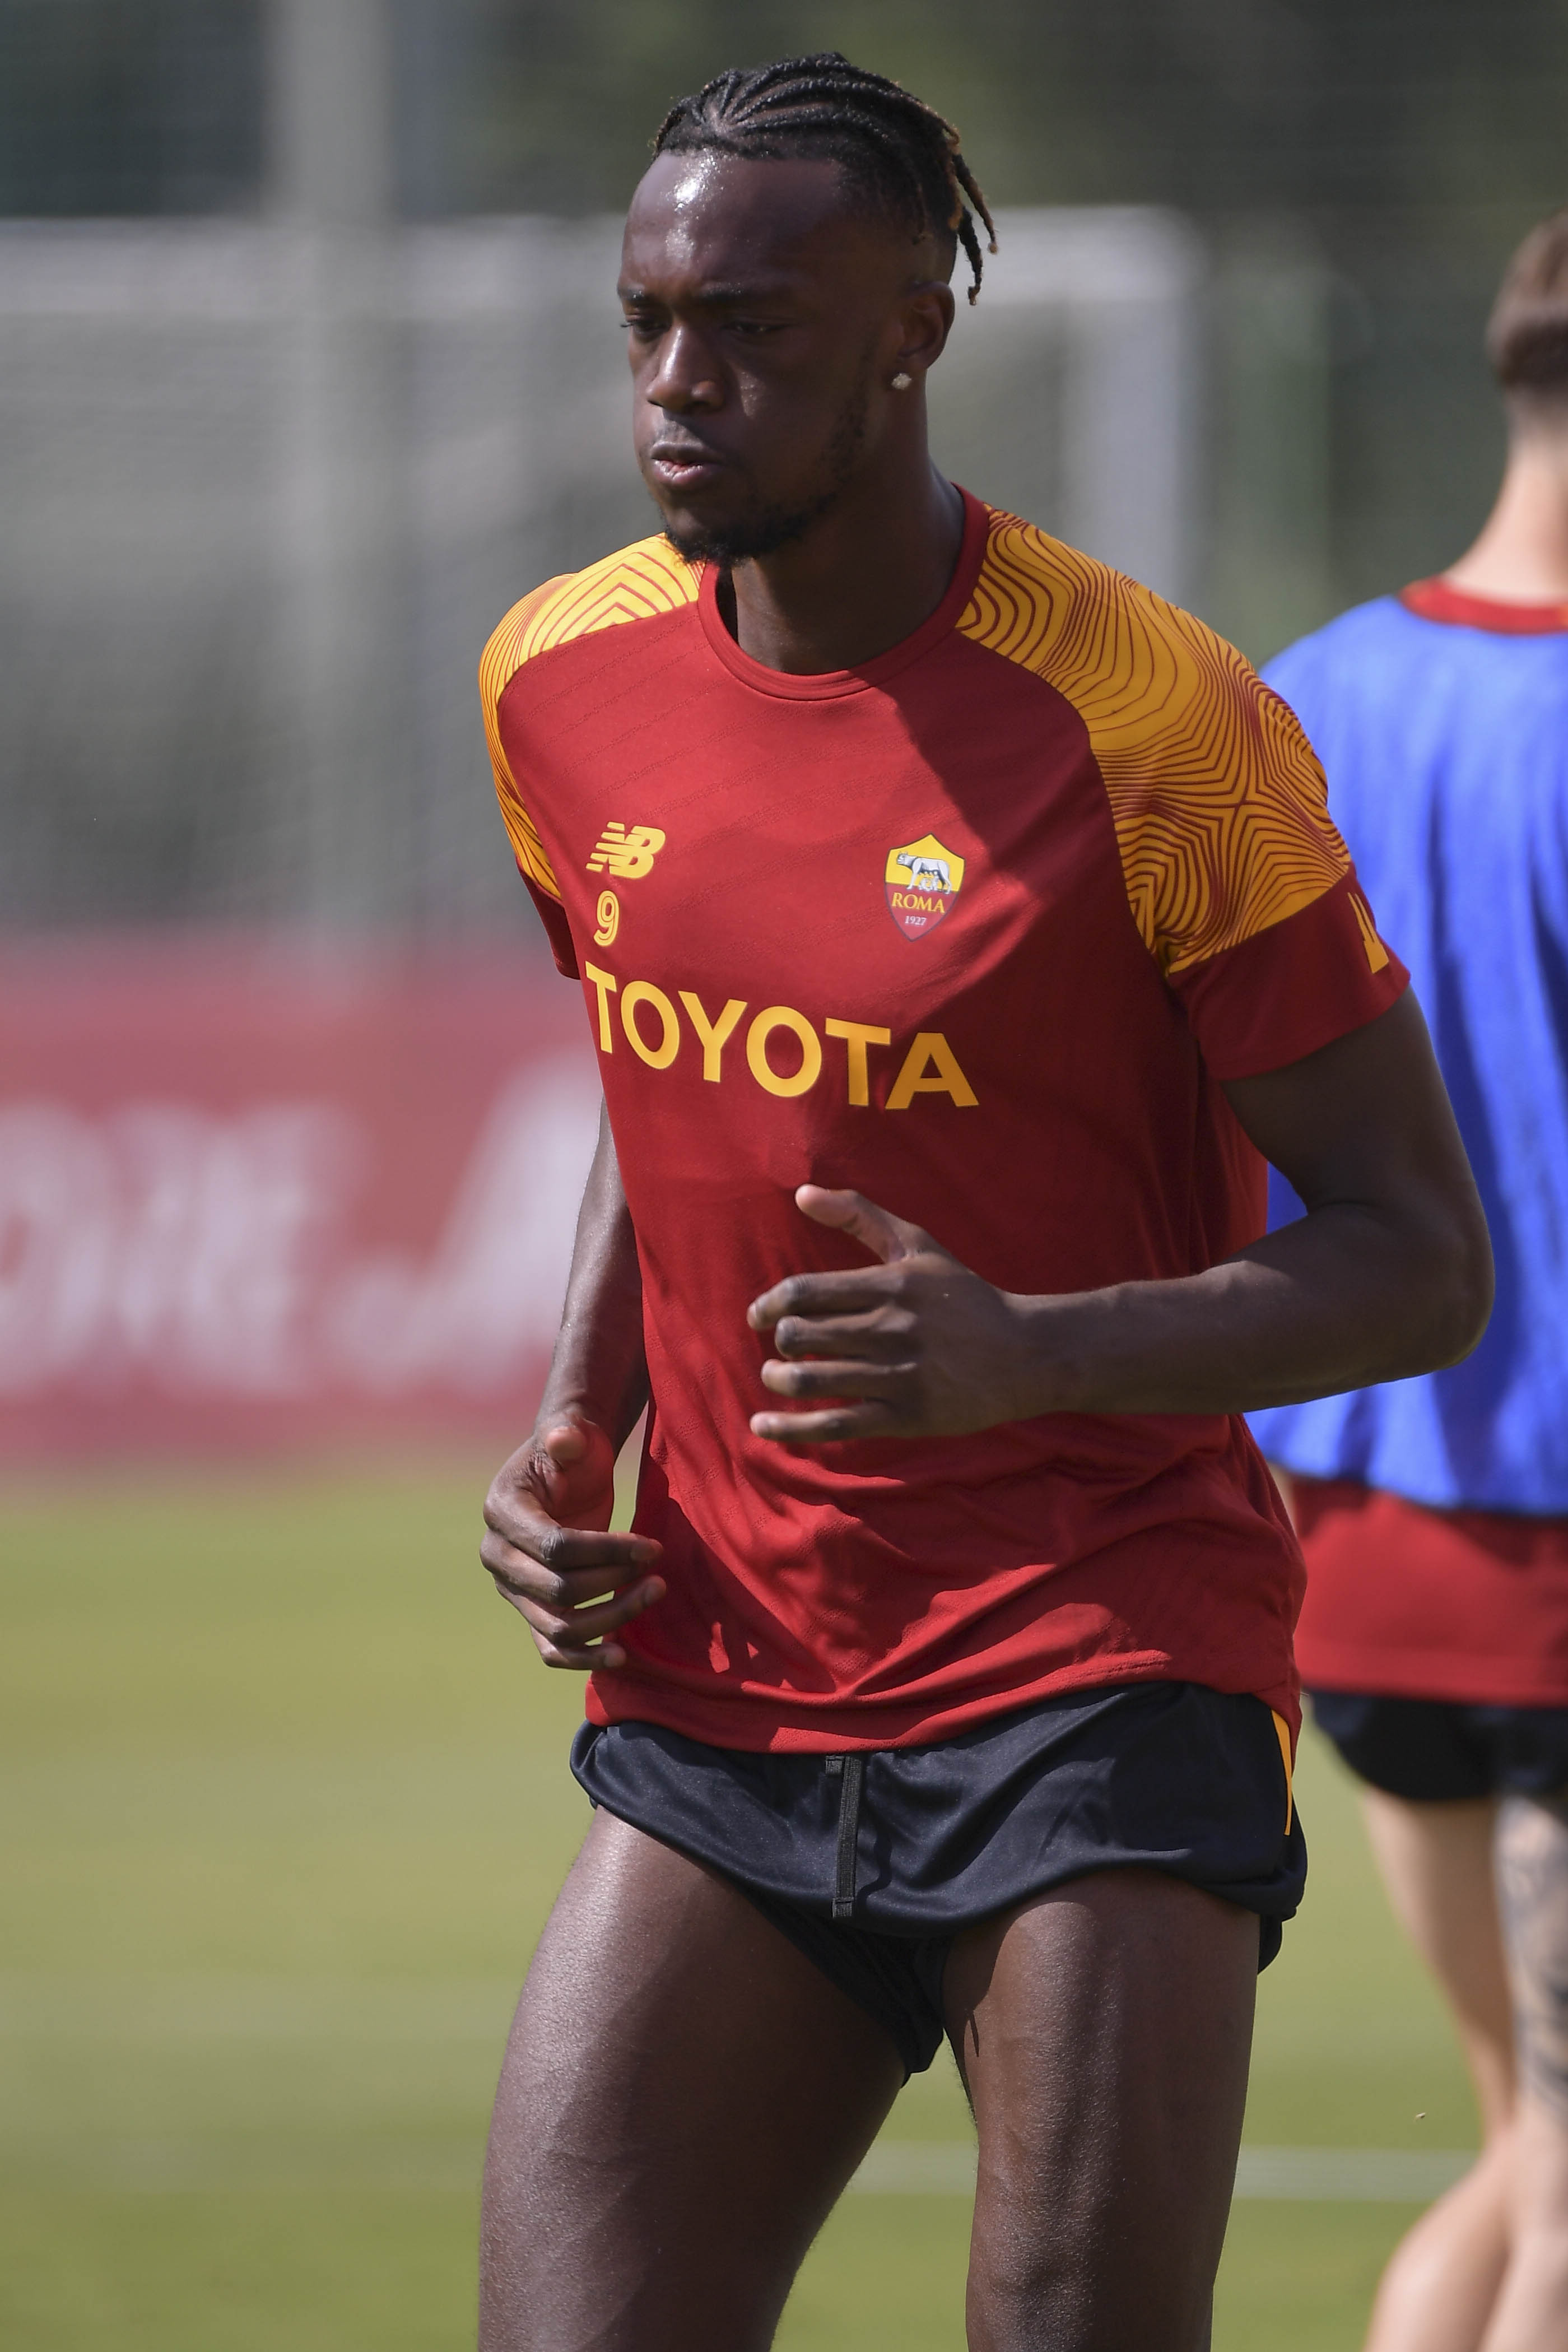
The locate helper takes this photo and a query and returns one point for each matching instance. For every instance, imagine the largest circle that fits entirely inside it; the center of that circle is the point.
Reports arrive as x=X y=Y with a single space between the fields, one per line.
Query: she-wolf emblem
x=931 y=873
x=923 y=879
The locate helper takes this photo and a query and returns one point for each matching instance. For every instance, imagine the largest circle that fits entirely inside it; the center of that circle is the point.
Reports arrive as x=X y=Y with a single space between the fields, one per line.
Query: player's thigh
x=1104 y=2031
x=1436 y=1864
x=684 y=2096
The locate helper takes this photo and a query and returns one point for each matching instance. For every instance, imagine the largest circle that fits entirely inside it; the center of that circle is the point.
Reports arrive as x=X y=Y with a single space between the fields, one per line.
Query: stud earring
x=901 y=382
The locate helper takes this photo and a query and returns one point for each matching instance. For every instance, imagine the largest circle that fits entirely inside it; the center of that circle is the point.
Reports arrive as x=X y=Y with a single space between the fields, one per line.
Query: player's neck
x=1522 y=555
x=859 y=582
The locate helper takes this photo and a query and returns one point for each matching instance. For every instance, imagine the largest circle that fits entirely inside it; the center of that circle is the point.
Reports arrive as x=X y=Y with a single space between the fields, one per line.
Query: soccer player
x=1435 y=1513
x=960 y=928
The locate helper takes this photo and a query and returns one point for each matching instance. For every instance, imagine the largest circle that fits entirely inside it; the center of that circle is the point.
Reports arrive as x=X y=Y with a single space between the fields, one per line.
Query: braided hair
x=898 y=149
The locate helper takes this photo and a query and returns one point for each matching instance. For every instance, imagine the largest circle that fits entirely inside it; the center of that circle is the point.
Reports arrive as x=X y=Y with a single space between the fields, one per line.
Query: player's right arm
x=547 y=1514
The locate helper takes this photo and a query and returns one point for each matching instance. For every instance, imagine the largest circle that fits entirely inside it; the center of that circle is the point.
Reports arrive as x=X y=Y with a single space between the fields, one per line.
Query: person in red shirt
x=1434 y=1514
x=960 y=929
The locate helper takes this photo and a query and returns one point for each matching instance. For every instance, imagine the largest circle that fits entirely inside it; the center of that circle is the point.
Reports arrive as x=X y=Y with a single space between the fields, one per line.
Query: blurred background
x=309 y=367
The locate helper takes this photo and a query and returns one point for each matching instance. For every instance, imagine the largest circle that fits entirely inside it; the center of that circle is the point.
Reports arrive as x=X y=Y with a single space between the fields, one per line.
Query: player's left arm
x=1388 y=1274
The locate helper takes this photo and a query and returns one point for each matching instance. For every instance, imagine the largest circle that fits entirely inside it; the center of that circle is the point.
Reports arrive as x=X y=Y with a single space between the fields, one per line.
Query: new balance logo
x=626 y=851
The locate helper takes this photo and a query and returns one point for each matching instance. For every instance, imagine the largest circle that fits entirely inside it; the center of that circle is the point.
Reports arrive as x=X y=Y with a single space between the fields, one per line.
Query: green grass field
x=285 y=1803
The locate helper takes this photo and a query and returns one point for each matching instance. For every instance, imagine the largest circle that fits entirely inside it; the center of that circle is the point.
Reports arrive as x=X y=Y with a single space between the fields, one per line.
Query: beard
x=765 y=528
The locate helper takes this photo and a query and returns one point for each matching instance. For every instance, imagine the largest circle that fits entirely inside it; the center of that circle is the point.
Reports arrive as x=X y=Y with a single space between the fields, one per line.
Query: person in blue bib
x=1434 y=1511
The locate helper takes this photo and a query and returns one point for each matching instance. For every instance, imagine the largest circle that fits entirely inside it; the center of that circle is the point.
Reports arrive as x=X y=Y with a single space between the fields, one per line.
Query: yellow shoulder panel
x=1219 y=804
x=635 y=584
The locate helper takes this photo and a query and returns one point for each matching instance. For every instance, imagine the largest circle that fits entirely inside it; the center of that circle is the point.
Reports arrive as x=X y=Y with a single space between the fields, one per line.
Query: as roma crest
x=923 y=881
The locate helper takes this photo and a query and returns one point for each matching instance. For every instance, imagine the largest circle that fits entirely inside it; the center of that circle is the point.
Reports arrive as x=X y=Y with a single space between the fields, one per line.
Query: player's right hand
x=550 y=1552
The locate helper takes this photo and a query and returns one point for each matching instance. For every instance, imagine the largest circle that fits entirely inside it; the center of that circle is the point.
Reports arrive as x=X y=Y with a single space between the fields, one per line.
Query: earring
x=901 y=382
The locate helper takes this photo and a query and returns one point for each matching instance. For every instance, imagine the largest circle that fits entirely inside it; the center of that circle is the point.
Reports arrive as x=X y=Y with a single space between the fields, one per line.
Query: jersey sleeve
x=1282 y=993
x=1240 y=884
x=1239 y=881
x=502 y=659
x=1256 y=913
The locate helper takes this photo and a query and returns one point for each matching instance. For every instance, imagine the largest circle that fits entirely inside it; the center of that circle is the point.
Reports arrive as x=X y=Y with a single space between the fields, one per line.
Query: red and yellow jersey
x=977 y=928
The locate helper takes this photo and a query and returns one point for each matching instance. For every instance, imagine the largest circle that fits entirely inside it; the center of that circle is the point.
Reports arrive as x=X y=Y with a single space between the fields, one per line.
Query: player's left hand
x=914 y=1347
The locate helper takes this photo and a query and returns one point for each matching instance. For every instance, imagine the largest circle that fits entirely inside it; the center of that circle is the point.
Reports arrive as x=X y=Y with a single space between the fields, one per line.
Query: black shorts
x=872 y=1864
x=1433 y=1751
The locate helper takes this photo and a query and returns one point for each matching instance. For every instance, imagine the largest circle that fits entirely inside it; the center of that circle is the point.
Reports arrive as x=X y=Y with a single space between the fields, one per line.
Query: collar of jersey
x=820 y=686
x=1436 y=600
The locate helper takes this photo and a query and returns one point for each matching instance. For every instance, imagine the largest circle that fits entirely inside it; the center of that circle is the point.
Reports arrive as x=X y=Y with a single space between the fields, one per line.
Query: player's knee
x=1042 y=2293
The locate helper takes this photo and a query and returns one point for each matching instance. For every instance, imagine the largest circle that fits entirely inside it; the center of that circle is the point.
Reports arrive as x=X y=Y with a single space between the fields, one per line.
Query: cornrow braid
x=890 y=140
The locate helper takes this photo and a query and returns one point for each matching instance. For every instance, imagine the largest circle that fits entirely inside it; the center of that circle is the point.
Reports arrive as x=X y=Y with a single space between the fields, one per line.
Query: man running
x=960 y=928
x=1435 y=1515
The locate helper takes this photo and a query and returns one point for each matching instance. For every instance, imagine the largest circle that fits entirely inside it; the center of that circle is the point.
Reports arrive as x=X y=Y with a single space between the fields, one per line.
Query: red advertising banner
x=256 y=1196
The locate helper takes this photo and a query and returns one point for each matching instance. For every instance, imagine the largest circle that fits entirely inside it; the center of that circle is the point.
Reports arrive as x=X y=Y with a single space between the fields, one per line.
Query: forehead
x=730 y=220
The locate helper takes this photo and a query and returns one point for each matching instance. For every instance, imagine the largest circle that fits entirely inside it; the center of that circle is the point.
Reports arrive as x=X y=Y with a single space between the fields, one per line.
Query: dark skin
x=685 y=2095
x=769 y=315
x=763 y=315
